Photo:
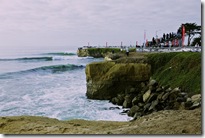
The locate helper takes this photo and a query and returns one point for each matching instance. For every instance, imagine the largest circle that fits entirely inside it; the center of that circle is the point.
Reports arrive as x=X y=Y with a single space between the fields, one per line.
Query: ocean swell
x=44 y=70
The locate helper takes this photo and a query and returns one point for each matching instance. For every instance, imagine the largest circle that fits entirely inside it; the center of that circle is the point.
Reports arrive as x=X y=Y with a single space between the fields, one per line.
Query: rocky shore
x=162 y=93
x=128 y=82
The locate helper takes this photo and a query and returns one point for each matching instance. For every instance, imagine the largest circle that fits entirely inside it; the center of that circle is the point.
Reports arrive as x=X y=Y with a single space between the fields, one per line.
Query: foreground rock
x=107 y=79
x=153 y=98
x=162 y=122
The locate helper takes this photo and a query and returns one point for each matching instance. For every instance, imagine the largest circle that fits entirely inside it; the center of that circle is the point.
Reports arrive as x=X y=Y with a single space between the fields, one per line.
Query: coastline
x=162 y=122
x=165 y=122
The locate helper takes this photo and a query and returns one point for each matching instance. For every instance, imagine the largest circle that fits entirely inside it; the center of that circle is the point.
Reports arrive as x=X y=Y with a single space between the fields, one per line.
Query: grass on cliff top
x=180 y=69
x=102 y=50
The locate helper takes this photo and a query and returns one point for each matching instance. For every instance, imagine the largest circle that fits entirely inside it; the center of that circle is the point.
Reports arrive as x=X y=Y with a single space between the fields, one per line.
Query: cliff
x=179 y=69
x=170 y=69
x=96 y=52
x=148 y=83
x=107 y=79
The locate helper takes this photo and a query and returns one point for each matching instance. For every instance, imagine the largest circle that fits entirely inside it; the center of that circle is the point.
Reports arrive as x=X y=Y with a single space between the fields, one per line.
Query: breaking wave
x=44 y=70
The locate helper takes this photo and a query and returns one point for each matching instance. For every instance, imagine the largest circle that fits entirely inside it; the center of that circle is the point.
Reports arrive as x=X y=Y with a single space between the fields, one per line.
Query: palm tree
x=191 y=29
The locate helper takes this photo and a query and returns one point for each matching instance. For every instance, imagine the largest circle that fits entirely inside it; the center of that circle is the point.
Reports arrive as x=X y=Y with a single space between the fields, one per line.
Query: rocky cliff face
x=130 y=85
x=96 y=52
x=82 y=52
x=106 y=80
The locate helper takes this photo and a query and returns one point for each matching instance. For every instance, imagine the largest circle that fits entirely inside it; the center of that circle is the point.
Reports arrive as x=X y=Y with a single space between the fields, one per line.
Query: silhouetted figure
x=127 y=51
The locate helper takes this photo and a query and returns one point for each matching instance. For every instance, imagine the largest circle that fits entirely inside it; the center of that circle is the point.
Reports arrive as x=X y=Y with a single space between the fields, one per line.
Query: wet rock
x=179 y=106
x=195 y=105
x=146 y=107
x=188 y=100
x=144 y=89
x=146 y=95
x=120 y=99
x=152 y=97
x=141 y=104
x=107 y=58
x=159 y=90
x=181 y=99
x=153 y=83
x=196 y=98
x=114 y=100
x=133 y=110
x=137 y=100
x=128 y=101
x=143 y=84
x=133 y=90
x=176 y=90
x=173 y=96
x=153 y=105
x=183 y=94
x=188 y=104
x=114 y=108
x=152 y=88
x=168 y=90
x=137 y=115
x=165 y=96
x=159 y=97
x=165 y=87
x=127 y=104
x=124 y=112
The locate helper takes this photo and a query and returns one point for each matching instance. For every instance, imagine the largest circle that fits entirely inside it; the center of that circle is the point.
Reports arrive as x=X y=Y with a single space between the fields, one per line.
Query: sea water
x=50 y=83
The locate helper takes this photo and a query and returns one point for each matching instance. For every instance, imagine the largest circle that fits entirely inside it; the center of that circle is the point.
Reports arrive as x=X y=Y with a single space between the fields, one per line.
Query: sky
x=74 y=23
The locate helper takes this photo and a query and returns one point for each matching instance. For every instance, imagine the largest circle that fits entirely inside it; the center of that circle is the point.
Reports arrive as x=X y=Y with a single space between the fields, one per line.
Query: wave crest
x=61 y=54
x=44 y=70
x=57 y=68
x=30 y=59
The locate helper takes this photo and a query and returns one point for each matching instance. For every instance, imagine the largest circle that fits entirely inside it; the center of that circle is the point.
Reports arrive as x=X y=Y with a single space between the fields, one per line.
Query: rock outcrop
x=106 y=80
x=97 y=52
x=154 y=97
x=128 y=82
x=82 y=52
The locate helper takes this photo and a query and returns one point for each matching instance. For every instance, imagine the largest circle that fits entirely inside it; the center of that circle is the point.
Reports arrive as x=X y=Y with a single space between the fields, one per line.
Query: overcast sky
x=74 y=23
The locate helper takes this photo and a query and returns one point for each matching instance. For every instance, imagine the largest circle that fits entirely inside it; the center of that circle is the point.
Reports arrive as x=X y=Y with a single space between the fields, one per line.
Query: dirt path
x=163 y=122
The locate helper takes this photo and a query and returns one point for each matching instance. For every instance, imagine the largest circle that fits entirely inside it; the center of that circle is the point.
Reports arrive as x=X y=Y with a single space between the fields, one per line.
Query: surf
x=53 y=69
x=29 y=59
x=60 y=54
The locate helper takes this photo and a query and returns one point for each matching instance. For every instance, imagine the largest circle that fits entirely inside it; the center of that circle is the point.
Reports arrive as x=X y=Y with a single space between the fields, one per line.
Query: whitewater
x=50 y=83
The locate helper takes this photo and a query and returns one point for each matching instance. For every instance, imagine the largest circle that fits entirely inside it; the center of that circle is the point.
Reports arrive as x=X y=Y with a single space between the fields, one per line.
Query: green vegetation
x=132 y=49
x=180 y=69
x=99 y=52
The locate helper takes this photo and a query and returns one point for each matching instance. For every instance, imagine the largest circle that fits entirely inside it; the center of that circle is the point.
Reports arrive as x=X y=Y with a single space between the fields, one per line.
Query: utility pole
x=157 y=37
x=144 y=40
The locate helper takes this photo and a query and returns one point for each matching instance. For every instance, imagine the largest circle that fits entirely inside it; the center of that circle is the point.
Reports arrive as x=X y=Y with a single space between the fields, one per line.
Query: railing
x=152 y=49
x=170 y=49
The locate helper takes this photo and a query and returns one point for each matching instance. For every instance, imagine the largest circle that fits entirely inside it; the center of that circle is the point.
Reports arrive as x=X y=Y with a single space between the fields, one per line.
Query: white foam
x=60 y=96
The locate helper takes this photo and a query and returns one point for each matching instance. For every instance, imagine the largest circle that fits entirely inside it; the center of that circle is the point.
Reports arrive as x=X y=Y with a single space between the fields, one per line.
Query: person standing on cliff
x=127 y=51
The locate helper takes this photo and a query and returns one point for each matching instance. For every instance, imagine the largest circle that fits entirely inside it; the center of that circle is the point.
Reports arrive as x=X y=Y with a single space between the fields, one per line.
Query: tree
x=191 y=29
x=196 y=40
x=153 y=41
x=167 y=37
x=164 y=36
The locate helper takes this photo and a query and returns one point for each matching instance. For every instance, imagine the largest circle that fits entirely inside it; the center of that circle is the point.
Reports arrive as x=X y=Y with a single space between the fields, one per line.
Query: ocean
x=50 y=83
